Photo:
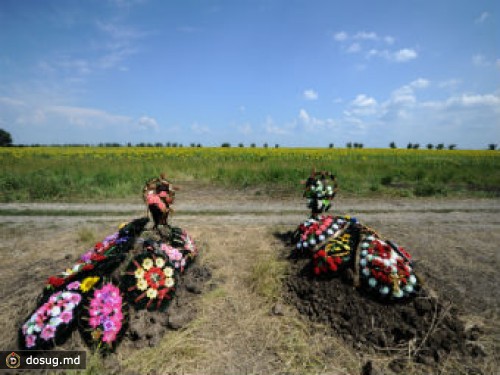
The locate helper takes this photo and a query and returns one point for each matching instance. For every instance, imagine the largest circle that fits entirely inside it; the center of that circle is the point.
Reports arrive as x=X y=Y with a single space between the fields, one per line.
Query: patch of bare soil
x=219 y=324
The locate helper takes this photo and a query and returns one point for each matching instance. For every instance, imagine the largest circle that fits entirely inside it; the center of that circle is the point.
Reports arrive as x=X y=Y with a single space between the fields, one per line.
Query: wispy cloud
x=483 y=17
x=148 y=123
x=480 y=61
x=373 y=45
x=199 y=129
x=310 y=94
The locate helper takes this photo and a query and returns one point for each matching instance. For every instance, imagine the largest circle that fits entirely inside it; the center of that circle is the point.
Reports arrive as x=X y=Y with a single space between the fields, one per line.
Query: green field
x=98 y=173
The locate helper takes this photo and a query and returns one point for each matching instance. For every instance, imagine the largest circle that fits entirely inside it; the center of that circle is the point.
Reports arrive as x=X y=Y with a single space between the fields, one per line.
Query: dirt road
x=454 y=241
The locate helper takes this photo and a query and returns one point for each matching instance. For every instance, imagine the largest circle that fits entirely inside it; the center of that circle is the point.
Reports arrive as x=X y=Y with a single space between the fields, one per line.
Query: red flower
x=88 y=267
x=317 y=270
x=97 y=257
x=55 y=281
x=155 y=277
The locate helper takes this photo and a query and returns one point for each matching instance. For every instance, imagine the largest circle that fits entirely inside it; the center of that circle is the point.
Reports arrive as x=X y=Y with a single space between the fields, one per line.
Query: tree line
x=6 y=141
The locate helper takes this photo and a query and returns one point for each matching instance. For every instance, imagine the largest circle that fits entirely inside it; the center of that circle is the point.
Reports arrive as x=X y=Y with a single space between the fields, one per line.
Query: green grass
x=79 y=174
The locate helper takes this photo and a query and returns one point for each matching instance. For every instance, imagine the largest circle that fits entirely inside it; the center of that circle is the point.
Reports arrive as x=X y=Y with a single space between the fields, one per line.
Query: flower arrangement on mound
x=386 y=268
x=80 y=294
x=320 y=189
x=103 y=258
x=53 y=320
x=103 y=319
x=333 y=243
x=333 y=256
x=316 y=230
x=149 y=281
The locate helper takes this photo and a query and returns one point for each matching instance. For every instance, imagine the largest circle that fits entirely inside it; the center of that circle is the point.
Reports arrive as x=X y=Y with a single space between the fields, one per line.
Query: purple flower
x=108 y=325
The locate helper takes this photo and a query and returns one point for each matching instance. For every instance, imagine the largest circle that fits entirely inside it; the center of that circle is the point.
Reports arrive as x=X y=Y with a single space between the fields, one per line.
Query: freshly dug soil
x=421 y=328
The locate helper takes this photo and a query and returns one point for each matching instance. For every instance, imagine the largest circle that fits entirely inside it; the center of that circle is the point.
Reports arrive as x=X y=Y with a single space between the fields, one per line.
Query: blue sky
x=296 y=73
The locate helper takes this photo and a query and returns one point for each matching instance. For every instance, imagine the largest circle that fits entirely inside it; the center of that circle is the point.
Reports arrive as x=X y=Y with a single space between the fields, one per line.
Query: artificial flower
x=88 y=283
x=147 y=264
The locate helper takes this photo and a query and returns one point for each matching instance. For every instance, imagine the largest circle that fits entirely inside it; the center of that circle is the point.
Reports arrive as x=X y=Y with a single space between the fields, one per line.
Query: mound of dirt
x=421 y=328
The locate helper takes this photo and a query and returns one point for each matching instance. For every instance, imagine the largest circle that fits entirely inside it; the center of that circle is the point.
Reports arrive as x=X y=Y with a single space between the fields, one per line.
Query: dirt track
x=454 y=241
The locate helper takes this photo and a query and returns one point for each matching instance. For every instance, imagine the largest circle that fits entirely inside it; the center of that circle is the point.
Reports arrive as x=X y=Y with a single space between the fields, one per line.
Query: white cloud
x=420 y=83
x=148 y=123
x=11 y=101
x=199 y=129
x=310 y=94
x=245 y=129
x=480 y=61
x=452 y=83
x=350 y=44
x=341 y=36
x=362 y=105
x=483 y=17
x=271 y=128
x=469 y=100
x=404 y=55
x=314 y=124
x=363 y=35
x=354 y=48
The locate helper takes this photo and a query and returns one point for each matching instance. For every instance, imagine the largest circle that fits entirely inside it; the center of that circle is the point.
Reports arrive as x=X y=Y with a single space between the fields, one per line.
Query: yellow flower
x=139 y=273
x=169 y=282
x=152 y=293
x=142 y=285
x=147 y=263
x=88 y=283
x=168 y=271
x=160 y=262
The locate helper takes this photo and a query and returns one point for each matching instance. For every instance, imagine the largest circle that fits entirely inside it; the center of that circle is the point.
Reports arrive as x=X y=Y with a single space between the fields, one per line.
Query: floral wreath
x=54 y=318
x=316 y=230
x=386 y=269
x=335 y=255
x=104 y=317
x=320 y=189
x=103 y=258
x=149 y=281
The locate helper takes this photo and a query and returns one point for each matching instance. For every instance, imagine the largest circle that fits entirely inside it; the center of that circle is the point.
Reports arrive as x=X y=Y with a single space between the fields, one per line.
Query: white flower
x=55 y=311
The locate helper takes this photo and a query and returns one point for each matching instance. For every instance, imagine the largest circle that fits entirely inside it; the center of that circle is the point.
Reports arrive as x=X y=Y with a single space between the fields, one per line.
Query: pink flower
x=66 y=316
x=30 y=341
x=94 y=321
x=75 y=298
x=109 y=337
x=107 y=310
x=73 y=286
x=48 y=332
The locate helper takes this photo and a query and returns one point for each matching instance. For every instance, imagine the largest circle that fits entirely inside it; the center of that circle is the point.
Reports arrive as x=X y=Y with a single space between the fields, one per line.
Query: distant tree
x=409 y=146
x=129 y=144
x=158 y=144
x=241 y=145
x=252 y=145
x=452 y=146
x=5 y=138
x=430 y=146
x=265 y=145
x=226 y=144
x=174 y=144
x=360 y=145
x=330 y=145
x=393 y=145
x=355 y=145
x=276 y=146
x=198 y=145
x=439 y=146
x=492 y=147
x=416 y=146
x=349 y=145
